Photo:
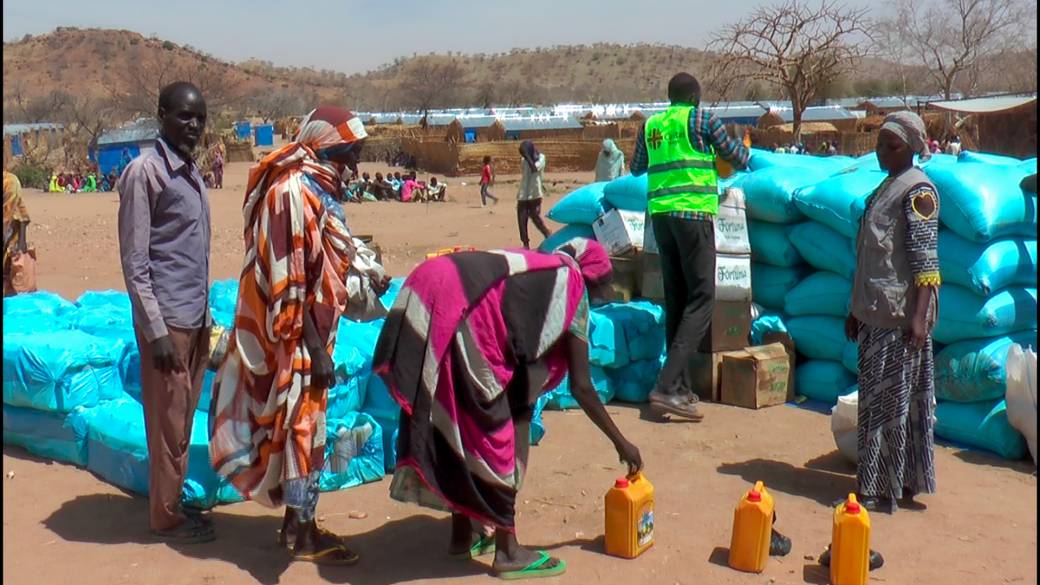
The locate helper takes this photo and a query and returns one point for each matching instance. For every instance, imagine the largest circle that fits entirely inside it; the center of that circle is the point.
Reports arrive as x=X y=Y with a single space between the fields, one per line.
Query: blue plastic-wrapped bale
x=764 y=159
x=607 y=345
x=983 y=425
x=117 y=448
x=537 y=422
x=770 y=192
x=114 y=299
x=824 y=249
x=223 y=296
x=38 y=303
x=583 y=205
x=965 y=315
x=353 y=452
x=838 y=202
x=29 y=323
x=561 y=398
x=627 y=192
x=565 y=234
x=850 y=357
x=771 y=244
x=61 y=370
x=634 y=382
x=769 y=284
x=823 y=380
x=638 y=330
x=818 y=337
x=982 y=201
x=390 y=296
x=974 y=370
x=822 y=293
x=54 y=435
x=985 y=268
x=381 y=406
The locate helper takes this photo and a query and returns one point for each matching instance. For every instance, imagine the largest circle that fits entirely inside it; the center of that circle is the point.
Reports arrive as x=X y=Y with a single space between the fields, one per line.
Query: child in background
x=487 y=178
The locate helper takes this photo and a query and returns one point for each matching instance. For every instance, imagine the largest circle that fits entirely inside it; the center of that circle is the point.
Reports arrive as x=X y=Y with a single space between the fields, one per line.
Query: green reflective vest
x=679 y=177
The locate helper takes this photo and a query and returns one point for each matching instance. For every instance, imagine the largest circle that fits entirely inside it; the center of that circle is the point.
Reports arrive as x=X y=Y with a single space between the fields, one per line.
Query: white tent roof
x=984 y=105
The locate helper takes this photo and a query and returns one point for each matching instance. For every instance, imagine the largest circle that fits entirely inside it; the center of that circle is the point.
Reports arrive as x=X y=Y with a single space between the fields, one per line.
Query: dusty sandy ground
x=61 y=524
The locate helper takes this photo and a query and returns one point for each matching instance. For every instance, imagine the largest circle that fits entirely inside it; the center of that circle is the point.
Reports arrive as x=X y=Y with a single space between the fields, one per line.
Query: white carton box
x=620 y=231
x=731 y=228
x=732 y=277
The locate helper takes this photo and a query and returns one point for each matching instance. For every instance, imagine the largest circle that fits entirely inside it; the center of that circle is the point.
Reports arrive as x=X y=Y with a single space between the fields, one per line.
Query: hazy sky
x=357 y=35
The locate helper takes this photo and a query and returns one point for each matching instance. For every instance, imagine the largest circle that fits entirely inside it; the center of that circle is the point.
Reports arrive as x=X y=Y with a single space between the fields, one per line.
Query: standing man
x=529 y=198
x=678 y=150
x=164 y=238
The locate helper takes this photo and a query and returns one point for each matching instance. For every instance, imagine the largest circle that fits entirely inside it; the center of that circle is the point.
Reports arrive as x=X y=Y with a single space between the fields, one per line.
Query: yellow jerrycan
x=752 y=527
x=850 y=544
x=629 y=517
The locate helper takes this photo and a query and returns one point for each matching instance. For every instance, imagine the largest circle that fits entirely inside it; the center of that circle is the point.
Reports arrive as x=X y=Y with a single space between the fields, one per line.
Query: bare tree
x=137 y=93
x=428 y=84
x=279 y=104
x=800 y=49
x=951 y=39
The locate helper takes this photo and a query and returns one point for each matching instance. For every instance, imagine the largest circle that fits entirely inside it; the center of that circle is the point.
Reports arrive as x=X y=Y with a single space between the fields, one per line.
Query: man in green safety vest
x=677 y=149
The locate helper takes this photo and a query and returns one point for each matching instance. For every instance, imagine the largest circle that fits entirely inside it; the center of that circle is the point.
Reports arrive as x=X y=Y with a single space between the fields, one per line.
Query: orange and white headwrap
x=328 y=126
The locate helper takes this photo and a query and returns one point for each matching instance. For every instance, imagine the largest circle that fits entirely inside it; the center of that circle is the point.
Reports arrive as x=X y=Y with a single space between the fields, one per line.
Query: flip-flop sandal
x=484 y=545
x=661 y=408
x=191 y=531
x=326 y=556
x=290 y=543
x=534 y=570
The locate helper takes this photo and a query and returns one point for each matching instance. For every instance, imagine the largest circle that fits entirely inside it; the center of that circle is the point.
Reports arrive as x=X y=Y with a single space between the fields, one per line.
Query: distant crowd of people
x=951 y=146
x=394 y=187
x=826 y=148
x=89 y=182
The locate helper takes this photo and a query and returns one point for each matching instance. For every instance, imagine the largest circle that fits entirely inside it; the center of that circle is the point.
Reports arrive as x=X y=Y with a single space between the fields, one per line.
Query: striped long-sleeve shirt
x=706 y=130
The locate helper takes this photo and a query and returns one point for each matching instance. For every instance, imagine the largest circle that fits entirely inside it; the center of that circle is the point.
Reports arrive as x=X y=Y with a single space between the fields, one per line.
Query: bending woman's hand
x=629 y=454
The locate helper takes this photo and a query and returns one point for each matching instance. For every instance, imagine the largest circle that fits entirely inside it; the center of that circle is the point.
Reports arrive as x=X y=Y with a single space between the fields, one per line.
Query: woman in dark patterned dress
x=894 y=308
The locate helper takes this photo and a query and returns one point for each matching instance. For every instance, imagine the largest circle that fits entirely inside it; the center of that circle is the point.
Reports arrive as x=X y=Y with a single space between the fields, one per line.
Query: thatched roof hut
x=770 y=119
x=455 y=134
x=495 y=132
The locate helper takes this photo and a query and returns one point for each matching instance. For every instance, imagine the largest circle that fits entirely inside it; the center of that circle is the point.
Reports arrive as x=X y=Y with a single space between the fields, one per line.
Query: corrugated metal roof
x=816 y=114
x=140 y=130
x=16 y=129
x=541 y=123
x=984 y=105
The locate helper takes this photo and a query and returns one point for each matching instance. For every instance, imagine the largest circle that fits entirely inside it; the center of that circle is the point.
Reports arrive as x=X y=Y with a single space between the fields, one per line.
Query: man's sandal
x=534 y=570
x=191 y=531
x=484 y=545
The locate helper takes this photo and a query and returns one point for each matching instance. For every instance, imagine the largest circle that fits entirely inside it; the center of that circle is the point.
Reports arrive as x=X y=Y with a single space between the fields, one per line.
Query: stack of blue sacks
x=803 y=230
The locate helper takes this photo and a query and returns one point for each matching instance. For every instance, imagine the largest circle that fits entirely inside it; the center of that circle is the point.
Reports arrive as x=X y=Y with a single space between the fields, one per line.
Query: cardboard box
x=730 y=326
x=620 y=231
x=788 y=343
x=624 y=285
x=755 y=377
x=732 y=277
x=706 y=370
x=731 y=227
x=651 y=282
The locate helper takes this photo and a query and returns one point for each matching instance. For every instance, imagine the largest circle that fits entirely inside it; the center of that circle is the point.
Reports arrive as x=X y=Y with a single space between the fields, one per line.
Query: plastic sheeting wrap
x=565 y=234
x=627 y=192
x=353 y=452
x=850 y=357
x=114 y=299
x=845 y=424
x=117 y=448
x=583 y=205
x=223 y=296
x=61 y=370
x=981 y=202
x=57 y=436
x=824 y=249
x=560 y=398
x=607 y=345
x=537 y=423
x=769 y=284
x=766 y=322
x=763 y=159
x=30 y=323
x=822 y=293
x=818 y=337
x=634 y=382
x=381 y=406
x=771 y=244
x=37 y=303
x=638 y=326
x=985 y=268
x=968 y=156
x=823 y=380
x=974 y=370
x=770 y=192
x=963 y=315
x=838 y=202
x=1021 y=394
x=983 y=425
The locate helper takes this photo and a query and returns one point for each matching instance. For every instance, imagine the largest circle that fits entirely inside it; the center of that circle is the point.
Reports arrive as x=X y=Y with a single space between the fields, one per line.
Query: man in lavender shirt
x=164 y=239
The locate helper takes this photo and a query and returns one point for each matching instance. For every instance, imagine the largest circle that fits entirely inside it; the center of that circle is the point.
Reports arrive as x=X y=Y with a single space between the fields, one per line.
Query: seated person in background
x=381 y=188
x=436 y=191
x=104 y=185
x=410 y=188
x=396 y=183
